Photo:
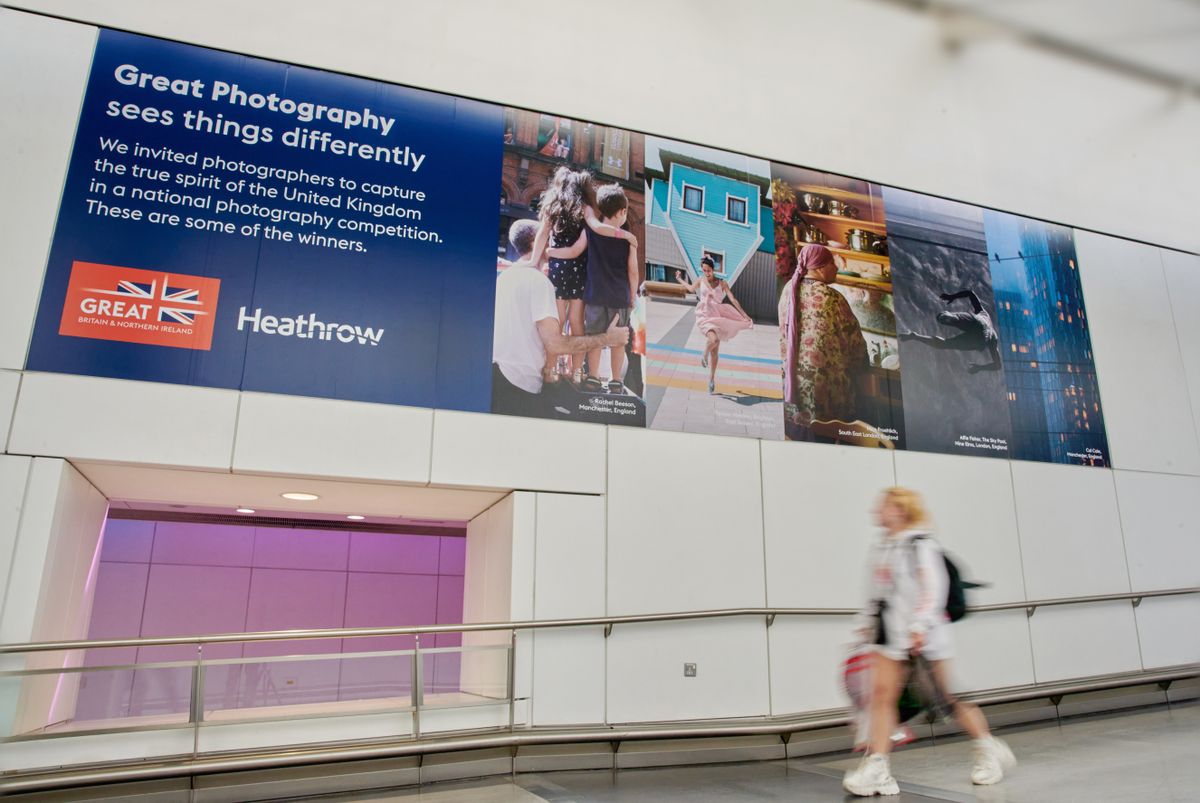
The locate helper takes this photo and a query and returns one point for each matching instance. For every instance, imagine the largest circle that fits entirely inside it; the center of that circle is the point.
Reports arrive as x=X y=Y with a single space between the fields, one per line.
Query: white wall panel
x=569 y=580
x=1162 y=538
x=522 y=559
x=14 y=476
x=487 y=597
x=568 y=676
x=992 y=650
x=522 y=569
x=645 y=670
x=684 y=522
x=116 y=420
x=568 y=665
x=1147 y=412
x=817 y=503
x=44 y=67
x=1070 y=530
x=806 y=663
x=1075 y=641
x=39 y=510
x=1183 y=284
x=974 y=517
x=331 y=438
x=1169 y=631
x=500 y=451
x=9 y=382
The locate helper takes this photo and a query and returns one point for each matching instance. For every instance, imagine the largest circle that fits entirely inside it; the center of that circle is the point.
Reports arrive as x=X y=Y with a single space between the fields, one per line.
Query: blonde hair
x=910 y=502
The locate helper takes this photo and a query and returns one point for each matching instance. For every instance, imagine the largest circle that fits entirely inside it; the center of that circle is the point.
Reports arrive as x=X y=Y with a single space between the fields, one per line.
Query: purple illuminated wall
x=168 y=578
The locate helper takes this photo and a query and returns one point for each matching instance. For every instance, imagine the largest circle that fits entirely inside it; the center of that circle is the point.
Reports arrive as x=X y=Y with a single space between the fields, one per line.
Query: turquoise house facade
x=711 y=209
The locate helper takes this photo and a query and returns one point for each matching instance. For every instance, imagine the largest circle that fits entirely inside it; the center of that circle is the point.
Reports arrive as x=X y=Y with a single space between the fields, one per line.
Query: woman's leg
x=968 y=715
x=551 y=358
x=887 y=678
x=575 y=318
x=711 y=350
x=992 y=756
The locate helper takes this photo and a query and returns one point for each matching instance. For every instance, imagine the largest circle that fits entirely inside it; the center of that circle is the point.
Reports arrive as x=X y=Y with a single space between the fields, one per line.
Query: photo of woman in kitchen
x=837 y=328
x=822 y=347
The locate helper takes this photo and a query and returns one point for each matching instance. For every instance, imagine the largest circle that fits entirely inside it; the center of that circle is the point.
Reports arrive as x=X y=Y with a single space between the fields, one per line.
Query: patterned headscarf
x=811 y=256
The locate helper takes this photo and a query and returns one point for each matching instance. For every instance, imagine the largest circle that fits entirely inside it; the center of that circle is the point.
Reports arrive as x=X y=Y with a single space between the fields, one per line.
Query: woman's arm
x=634 y=271
x=692 y=287
x=864 y=621
x=571 y=251
x=854 y=345
x=733 y=300
x=539 y=243
x=605 y=229
x=927 y=608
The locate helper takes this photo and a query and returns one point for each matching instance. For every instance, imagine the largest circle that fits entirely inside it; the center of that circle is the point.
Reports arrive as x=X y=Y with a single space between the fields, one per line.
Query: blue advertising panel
x=234 y=222
x=239 y=223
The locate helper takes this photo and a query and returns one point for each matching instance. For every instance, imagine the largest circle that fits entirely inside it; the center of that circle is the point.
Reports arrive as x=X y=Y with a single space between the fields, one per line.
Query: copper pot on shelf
x=841 y=208
x=804 y=233
x=861 y=240
x=812 y=202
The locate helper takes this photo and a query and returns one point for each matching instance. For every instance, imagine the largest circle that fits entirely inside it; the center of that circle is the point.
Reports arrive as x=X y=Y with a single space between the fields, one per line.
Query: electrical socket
x=689 y=670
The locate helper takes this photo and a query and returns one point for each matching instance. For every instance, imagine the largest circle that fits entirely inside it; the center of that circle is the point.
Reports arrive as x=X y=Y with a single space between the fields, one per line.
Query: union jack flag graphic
x=136 y=289
x=179 y=295
x=182 y=306
x=148 y=291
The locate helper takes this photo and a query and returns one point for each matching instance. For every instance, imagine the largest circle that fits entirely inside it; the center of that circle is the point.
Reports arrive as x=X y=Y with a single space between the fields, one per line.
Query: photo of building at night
x=1053 y=395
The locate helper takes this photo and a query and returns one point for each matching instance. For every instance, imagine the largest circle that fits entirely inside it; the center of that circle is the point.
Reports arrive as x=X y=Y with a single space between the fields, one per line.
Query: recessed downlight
x=356 y=517
x=245 y=510
x=298 y=496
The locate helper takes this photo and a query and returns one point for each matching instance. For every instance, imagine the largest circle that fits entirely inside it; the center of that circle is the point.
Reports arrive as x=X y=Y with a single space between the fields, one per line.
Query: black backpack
x=956 y=591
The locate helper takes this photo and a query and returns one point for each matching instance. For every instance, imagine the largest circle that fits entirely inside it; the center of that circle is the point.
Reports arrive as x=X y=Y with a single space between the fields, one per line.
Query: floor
x=1148 y=755
x=749 y=387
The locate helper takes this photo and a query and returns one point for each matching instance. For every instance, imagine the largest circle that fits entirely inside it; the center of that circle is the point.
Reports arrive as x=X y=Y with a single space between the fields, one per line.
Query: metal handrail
x=172 y=766
x=607 y=622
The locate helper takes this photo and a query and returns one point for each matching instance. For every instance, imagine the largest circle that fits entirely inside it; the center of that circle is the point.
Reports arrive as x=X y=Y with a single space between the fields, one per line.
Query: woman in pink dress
x=716 y=320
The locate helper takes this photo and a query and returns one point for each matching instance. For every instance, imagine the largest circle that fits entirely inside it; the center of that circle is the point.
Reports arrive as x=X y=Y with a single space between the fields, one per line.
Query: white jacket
x=911 y=576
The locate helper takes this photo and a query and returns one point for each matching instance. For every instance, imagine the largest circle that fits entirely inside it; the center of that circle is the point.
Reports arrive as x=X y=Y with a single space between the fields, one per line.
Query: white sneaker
x=992 y=758
x=872 y=776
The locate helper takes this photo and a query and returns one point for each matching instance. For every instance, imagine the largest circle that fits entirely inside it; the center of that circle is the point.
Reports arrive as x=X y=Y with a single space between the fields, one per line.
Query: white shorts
x=939 y=645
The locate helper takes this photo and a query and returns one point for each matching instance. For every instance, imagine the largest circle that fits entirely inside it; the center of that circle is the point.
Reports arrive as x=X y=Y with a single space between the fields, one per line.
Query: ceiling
x=1155 y=40
x=209 y=492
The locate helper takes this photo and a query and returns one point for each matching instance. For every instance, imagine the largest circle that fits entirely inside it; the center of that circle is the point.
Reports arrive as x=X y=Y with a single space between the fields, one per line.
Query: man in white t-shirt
x=527 y=327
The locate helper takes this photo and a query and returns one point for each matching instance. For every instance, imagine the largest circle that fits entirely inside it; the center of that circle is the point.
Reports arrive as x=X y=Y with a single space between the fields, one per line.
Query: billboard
x=239 y=223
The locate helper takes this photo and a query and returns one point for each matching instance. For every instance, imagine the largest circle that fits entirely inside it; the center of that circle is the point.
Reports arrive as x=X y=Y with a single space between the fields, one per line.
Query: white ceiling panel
x=141 y=487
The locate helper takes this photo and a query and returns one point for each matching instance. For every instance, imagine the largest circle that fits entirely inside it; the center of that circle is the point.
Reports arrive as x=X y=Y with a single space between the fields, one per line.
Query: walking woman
x=716 y=320
x=904 y=616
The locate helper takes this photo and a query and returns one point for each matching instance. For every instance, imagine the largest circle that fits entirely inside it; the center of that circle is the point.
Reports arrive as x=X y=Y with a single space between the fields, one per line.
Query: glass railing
x=169 y=697
x=109 y=690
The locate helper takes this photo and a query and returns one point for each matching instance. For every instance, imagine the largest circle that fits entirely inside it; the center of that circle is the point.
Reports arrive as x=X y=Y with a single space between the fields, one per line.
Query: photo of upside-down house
x=701 y=208
x=704 y=203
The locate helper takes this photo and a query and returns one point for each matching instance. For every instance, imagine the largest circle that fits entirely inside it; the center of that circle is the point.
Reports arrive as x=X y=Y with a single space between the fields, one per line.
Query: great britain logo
x=110 y=302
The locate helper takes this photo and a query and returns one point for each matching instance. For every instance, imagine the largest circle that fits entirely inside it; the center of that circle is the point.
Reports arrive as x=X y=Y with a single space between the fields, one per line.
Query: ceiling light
x=297 y=496
x=356 y=517
x=245 y=510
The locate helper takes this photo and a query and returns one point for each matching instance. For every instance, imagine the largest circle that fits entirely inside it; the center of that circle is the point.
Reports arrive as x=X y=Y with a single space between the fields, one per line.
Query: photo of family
x=711 y=350
x=569 y=337
x=836 y=318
